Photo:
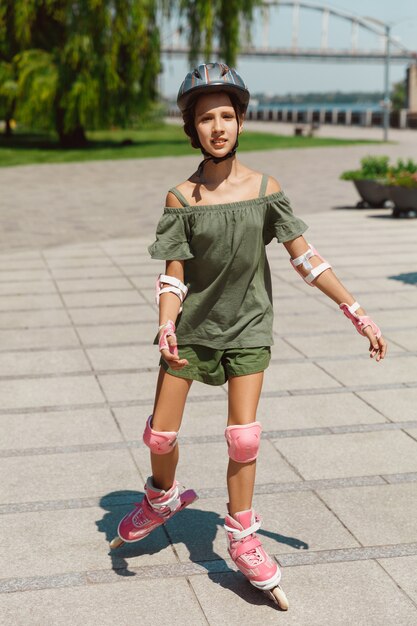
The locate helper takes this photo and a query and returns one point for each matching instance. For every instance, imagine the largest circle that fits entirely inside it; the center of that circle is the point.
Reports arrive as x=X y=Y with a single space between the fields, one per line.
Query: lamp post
x=387 y=100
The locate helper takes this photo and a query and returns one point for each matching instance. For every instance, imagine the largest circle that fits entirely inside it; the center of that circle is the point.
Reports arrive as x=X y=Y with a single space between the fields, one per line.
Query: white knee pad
x=159 y=442
x=243 y=441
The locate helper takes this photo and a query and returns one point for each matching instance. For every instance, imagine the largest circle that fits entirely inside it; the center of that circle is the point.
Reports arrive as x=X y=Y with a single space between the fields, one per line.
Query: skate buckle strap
x=359 y=321
x=175 y=286
x=303 y=260
x=171 y=504
x=241 y=534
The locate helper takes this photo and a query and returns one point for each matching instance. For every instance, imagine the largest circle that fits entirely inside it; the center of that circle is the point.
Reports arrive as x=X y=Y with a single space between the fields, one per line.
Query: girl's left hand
x=377 y=347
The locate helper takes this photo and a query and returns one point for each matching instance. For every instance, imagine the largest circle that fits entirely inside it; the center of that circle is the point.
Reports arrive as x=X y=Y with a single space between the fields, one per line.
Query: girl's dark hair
x=188 y=117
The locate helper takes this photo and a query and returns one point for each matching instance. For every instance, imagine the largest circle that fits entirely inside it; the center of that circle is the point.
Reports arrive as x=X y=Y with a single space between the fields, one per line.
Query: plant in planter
x=369 y=181
x=402 y=181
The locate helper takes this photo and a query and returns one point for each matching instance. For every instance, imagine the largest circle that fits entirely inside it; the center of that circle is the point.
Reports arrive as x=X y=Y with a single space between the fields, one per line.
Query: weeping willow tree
x=81 y=64
x=221 y=20
x=70 y=65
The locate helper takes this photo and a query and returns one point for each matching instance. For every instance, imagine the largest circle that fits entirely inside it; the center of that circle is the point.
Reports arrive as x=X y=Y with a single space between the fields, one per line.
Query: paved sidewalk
x=337 y=473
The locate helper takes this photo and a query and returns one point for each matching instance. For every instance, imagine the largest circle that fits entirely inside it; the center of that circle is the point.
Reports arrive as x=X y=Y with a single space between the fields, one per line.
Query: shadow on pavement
x=409 y=278
x=195 y=528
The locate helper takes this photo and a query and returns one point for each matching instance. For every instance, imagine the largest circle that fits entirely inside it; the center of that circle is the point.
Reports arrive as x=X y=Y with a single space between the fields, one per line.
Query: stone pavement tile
x=102 y=298
x=71 y=475
x=398 y=405
x=123 y=603
x=405 y=318
x=58 y=428
x=374 y=270
x=411 y=297
x=404 y=338
x=200 y=419
x=140 y=271
x=290 y=522
x=112 y=314
x=322 y=346
x=118 y=333
x=54 y=391
x=291 y=306
x=319 y=410
x=282 y=350
x=350 y=454
x=28 y=303
x=21 y=287
x=72 y=251
x=328 y=320
x=126 y=357
x=63 y=274
x=296 y=376
x=381 y=286
x=412 y=432
x=402 y=569
x=374 y=302
x=80 y=285
x=205 y=465
x=141 y=386
x=45 y=543
x=384 y=514
x=24 y=275
x=350 y=372
x=73 y=262
x=26 y=265
x=334 y=594
x=23 y=319
x=43 y=362
x=38 y=338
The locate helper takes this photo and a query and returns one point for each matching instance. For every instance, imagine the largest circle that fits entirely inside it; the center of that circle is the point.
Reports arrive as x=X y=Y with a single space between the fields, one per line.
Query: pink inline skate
x=156 y=508
x=248 y=554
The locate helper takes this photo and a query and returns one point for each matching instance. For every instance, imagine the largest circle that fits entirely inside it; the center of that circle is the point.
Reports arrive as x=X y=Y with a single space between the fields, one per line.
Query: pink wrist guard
x=168 y=330
x=359 y=321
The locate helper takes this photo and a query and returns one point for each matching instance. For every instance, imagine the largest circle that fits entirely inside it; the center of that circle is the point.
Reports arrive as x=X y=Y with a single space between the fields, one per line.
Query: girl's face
x=216 y=123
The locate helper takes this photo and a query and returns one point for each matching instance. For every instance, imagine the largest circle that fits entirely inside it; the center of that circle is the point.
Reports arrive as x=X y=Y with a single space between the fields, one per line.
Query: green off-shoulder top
x=229 y=302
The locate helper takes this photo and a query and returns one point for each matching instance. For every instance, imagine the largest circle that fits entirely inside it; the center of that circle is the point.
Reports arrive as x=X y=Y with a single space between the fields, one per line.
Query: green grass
x=162 y=140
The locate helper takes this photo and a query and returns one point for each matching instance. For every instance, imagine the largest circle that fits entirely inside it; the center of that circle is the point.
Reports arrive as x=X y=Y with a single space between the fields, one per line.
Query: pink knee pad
x=159 y=442
x=243 y=441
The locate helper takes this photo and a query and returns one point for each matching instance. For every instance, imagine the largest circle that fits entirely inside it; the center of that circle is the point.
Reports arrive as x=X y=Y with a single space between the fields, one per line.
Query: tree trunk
x=8 y=131
x=75 y=138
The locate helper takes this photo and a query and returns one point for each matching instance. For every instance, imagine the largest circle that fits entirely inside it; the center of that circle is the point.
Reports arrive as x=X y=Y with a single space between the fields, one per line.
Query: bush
x=372 y=168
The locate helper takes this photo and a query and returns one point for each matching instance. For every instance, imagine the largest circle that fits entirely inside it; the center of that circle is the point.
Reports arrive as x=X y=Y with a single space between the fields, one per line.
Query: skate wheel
x=116 y=543
x=278 y=596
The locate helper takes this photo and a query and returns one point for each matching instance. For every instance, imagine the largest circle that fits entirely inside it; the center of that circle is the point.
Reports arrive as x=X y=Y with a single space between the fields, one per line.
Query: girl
x=212 y=235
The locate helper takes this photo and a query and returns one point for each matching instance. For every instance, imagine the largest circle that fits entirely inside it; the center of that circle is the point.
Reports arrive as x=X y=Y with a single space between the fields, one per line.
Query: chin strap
x=216 y=160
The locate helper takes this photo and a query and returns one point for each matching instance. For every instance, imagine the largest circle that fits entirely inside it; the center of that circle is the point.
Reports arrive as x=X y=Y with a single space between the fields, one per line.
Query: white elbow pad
x=174 y=286
x=303 y=260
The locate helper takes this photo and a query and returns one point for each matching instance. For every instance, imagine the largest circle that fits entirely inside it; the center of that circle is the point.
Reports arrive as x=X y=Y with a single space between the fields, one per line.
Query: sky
x=277 y=77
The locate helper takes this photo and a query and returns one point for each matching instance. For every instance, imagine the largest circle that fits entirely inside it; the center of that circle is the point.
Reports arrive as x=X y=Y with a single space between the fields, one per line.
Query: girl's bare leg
x=170 y=397
x=244 y=392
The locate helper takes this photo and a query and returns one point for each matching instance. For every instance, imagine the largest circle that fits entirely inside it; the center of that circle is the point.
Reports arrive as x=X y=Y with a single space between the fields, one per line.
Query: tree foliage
x=222 y=20
x=79 y=64
x=69 y=65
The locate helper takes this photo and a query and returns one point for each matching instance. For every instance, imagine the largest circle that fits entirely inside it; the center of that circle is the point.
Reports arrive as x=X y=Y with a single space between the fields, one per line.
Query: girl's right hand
x=168 y=347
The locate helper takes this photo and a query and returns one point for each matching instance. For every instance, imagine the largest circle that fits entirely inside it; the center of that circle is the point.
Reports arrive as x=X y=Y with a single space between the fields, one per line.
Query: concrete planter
x=405 y=201
x=373 y=194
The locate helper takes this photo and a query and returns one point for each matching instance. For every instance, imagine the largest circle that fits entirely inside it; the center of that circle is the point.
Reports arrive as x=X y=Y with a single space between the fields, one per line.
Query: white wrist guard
x=175 y=286
x=303 y=260
x=359 y=321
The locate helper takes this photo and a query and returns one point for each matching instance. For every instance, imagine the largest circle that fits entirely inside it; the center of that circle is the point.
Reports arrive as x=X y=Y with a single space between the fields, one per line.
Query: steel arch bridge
x=176 y=42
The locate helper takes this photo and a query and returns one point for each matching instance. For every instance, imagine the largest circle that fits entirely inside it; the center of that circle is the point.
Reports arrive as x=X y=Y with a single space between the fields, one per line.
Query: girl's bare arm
x=331 y=286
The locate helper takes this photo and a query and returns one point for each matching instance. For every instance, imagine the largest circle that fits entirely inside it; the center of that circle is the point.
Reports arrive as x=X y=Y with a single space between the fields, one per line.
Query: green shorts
x=214 y=367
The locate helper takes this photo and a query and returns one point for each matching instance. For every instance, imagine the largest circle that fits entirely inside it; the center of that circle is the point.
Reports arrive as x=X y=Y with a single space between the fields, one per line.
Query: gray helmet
x=209 y=77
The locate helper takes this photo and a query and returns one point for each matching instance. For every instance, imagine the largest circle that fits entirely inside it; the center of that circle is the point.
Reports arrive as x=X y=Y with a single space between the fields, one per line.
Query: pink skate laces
x=359 y=321
x=167 y=330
